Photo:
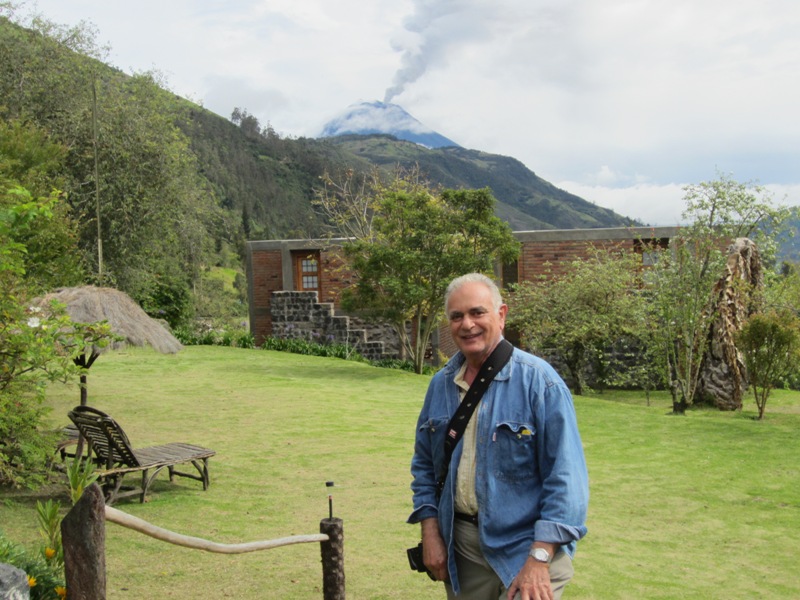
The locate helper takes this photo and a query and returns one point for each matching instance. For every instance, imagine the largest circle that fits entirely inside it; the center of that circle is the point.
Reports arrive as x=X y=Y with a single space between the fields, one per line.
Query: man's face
x=475 y=325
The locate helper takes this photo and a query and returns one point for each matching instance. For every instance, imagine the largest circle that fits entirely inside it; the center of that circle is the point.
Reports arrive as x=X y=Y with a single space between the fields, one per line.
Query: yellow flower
x=49 y=553
x=31 y=581
x=61 y=591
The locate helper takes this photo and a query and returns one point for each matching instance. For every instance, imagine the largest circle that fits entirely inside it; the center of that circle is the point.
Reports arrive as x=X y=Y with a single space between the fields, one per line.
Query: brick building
x=317 y=267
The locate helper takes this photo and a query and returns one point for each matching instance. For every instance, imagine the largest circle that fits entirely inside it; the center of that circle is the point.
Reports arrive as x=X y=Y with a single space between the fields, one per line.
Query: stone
x=13 y=583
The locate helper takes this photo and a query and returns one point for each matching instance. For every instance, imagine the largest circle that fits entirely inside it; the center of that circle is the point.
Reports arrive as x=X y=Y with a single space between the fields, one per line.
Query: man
x=514 y=502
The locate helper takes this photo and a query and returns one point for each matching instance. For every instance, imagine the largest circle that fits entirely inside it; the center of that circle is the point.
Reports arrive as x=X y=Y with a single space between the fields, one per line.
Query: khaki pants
x=477 y=579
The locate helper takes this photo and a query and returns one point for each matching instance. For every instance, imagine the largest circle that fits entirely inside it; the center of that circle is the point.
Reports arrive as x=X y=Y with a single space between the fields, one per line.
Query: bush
x=300 y=346
x=402 y=365
x=343 y=351
x=770 y=347
x=167 y=298
x=46 y=579
x=236 y=337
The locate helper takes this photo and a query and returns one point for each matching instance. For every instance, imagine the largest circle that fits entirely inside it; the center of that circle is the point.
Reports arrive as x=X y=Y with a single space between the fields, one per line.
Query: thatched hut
x=91 y=304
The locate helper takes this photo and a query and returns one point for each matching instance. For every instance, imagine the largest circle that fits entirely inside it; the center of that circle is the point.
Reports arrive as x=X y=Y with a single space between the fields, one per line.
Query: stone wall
x=298 y=315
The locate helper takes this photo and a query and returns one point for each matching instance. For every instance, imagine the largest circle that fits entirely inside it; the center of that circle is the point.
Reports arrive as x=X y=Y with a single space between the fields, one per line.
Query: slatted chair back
x=123 y=451
x=108 y=441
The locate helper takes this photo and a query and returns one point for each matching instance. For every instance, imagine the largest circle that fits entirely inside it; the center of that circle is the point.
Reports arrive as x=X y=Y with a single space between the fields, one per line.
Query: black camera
x=415 y=561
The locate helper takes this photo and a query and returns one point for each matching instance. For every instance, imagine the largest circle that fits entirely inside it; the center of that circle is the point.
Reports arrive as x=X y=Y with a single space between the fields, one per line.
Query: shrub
x=237 y=337
x=402 y=365
x=770 y=346
x=301 y=346
x=45 y=577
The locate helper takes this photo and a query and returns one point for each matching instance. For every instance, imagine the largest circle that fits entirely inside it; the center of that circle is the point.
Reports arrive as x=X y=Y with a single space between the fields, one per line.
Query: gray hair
x=497 y=299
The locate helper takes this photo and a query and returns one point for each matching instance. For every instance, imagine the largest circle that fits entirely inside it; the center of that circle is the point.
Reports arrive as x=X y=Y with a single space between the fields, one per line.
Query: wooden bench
x=116 y=458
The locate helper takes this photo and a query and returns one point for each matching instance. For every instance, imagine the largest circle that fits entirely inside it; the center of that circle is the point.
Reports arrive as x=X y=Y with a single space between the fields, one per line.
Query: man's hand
x=533 y=580
x=434 y=551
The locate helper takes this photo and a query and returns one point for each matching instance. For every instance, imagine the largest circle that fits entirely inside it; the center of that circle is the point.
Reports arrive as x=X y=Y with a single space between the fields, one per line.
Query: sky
x=622 y=102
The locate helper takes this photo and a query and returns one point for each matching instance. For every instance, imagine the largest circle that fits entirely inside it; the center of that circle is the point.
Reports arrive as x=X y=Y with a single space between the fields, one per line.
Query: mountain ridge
x=525 y=200
x=379 y=132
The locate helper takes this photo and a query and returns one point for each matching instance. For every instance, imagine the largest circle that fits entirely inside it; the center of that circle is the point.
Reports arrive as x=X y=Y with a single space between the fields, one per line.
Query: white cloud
x=611 y=96
x=659 y=205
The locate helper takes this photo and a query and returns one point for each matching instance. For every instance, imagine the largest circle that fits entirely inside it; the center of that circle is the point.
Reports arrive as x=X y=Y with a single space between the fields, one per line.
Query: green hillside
x=525 y=200
x=157 y=191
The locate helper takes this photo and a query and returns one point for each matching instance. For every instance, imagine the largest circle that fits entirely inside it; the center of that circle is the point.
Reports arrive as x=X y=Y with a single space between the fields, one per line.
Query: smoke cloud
x=427 y=35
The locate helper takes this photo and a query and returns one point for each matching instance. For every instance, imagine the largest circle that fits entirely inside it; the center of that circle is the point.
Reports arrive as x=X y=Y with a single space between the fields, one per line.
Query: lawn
x=701 y=506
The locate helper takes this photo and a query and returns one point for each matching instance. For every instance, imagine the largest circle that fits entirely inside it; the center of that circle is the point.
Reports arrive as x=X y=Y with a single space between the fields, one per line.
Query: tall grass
x=701 y=506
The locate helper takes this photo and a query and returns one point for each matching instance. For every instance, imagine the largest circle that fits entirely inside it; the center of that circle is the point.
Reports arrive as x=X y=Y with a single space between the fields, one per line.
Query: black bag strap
x=460 y=419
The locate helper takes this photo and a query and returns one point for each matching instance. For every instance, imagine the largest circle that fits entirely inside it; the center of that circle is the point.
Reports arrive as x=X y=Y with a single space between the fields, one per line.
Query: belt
x=469 y=518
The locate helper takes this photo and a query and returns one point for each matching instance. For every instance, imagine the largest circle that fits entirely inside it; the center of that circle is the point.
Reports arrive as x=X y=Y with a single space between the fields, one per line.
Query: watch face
x=541 y=555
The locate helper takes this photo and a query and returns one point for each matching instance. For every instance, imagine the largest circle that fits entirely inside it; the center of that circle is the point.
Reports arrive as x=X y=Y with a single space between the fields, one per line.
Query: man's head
x=477 y=315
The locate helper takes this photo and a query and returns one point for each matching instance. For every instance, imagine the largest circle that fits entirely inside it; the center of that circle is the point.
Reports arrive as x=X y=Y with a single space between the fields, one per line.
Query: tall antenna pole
x=97 y=183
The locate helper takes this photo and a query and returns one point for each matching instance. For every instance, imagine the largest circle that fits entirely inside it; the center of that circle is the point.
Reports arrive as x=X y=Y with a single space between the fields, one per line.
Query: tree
x=679 y=287
x=153 y=204
x=770 y=345
x=583 y=312
x=348 y=201
x=727 y=209
x=36 y=345
x=418 y=243
x=680 y=284
x=132 y=184
x=29 y=159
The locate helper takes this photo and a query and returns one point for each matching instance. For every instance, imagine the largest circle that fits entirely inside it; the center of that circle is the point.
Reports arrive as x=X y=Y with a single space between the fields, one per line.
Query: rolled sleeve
x=565 y=490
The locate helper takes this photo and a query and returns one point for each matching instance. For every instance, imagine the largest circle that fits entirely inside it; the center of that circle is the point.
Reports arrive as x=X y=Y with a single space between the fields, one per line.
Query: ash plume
x=427 y=33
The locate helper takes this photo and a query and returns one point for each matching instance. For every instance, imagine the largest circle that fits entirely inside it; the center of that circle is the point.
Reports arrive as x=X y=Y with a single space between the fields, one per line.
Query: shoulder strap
x=458 y=422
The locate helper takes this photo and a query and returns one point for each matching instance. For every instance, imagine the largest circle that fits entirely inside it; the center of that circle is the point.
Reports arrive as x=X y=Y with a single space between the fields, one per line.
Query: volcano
x=369 y=118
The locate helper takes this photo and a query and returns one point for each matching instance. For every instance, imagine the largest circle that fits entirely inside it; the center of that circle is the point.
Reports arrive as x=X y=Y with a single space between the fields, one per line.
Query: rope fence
x=83 y=538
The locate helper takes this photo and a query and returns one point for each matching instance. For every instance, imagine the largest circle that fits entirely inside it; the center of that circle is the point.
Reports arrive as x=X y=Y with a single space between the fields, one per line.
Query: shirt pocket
x=435 y=429
x=514 y=451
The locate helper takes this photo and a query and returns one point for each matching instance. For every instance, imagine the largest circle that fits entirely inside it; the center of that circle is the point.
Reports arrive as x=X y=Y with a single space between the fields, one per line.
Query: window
x=650 y=248
x=510 y=274
x=306 y=271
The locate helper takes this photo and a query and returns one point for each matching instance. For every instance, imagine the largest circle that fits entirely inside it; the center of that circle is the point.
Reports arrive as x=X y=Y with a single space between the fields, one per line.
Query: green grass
x=701 y=506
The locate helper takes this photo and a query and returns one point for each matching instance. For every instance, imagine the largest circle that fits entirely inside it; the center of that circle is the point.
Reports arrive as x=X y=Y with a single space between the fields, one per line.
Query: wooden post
x=83 y=535
x=332 y=559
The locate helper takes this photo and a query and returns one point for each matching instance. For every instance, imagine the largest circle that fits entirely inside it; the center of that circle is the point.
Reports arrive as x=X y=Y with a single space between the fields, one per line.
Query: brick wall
x=335 y=276
x=542 y=252
x=554 y=257
x=265 y=276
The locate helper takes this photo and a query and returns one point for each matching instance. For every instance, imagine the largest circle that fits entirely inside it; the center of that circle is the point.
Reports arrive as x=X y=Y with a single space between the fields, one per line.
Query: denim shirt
x=531 y=479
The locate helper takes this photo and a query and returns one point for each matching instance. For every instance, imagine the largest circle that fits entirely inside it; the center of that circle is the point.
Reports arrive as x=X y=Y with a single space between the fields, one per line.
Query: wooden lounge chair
x=116 y=457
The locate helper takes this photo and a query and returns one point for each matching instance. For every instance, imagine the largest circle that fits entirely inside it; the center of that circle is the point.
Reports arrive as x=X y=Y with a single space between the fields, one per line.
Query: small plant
x=185 y=335
x=81 y=474
x=45 y=579
x=50 y=529
x=245 y=339
x=227 y=338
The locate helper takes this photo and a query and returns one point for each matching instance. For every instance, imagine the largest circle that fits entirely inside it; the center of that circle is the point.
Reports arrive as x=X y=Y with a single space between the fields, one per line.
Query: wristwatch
x=540 y=555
